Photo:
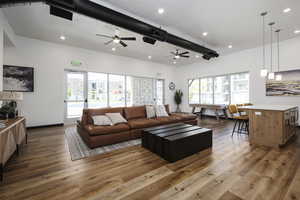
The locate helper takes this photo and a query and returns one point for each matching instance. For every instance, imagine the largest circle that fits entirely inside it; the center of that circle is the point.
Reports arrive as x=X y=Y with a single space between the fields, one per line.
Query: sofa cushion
x=116 y=118
x=89 y=113
x=168 y=120
x=150 y=111
x=135 y=112
x=161 y=111
x=143 y=123
x=167 y=108
x=101 y=120
x=101 y=130
x=185 y=117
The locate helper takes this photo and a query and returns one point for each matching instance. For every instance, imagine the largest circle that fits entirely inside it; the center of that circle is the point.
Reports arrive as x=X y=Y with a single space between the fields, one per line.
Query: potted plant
x=178 y=99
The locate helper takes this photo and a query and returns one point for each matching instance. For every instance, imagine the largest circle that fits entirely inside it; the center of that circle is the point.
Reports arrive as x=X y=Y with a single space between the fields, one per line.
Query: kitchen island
x=271 y=125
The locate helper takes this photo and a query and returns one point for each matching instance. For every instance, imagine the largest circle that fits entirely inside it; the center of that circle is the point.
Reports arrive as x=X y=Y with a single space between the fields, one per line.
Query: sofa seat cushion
x=102 y=130
x=185 y=117
x=168 y=120
x=143 y=123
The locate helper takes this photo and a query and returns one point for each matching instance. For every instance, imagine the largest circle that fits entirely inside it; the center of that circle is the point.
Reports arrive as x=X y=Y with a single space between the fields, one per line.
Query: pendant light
x=264 y=71
x=278 y=76
x=271 y=75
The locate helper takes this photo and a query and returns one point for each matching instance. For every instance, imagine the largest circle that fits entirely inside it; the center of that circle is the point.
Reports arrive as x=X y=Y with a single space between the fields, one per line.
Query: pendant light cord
x=278 y=53
x=264 y=43
x=264 y=39
x=271 y=26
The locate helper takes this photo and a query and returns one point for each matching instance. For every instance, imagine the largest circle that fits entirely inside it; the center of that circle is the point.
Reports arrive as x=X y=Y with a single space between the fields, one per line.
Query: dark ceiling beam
x=96 y=11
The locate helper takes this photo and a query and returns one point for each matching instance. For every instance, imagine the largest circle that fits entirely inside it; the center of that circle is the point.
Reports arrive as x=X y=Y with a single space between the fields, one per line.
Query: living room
x=201 y=110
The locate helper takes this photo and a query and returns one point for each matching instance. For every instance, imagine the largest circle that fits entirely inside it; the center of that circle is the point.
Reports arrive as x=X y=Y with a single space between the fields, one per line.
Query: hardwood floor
x=232 y=170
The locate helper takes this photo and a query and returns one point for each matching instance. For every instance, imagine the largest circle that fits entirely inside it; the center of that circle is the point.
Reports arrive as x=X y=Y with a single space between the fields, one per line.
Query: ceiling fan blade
x=184 y=53
x=107 y=43
x=184 y=56
x=123 y=44
x=128 y=38
x=106 y=36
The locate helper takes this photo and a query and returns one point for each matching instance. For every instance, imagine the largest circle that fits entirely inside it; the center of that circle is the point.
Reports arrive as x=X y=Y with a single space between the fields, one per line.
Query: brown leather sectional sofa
x=96 y=136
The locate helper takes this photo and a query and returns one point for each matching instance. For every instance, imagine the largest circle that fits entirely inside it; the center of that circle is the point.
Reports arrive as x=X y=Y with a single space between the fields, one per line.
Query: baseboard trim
x=45 y=126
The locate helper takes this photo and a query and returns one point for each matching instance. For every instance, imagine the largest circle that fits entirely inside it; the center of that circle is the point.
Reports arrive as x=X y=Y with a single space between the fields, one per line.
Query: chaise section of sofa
x=96 y=136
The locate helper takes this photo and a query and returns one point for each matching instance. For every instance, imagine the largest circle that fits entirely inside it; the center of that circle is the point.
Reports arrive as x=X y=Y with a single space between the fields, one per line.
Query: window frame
x=154 y=79
x=213 y=82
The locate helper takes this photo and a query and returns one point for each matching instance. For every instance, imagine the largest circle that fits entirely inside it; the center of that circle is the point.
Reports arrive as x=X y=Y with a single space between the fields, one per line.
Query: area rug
x=79 y=150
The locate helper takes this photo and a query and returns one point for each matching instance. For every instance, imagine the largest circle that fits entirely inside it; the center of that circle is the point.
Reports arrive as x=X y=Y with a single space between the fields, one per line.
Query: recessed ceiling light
x=230 y=46
x=62 y=37
x=205 y=33
x=174 y=62
x=287 y=10
x=149 y=57
x=297 y=31
x=197 y=56
x=161 y=11
x=113 y=49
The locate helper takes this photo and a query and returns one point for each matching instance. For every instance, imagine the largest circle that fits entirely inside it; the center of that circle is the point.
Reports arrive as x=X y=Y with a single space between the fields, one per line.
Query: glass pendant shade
x=263 y=72
x=271 y=76
x=278 y=77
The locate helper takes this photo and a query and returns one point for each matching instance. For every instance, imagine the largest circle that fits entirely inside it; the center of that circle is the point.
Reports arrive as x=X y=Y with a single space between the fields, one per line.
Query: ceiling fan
x=178 y=55
x=117 y=39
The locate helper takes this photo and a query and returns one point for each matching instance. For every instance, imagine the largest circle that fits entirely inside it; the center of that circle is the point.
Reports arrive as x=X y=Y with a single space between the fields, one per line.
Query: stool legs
x=236 y=121
x=241 y=125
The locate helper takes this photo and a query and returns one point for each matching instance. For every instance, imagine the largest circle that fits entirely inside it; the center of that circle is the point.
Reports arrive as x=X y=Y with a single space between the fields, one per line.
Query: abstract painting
x=288 y=86
x=19 y=79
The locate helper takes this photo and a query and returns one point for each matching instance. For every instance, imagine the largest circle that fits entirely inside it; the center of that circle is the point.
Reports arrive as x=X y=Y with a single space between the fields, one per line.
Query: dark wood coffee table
x=176 y=141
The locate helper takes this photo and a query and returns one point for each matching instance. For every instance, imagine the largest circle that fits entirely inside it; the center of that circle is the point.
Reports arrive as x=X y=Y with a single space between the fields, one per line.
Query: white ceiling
x=227 y=22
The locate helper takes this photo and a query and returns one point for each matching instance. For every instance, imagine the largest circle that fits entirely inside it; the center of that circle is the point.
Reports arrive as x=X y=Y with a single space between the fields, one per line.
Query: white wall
x=1 y=56
x=247 y=60
x=45 y=105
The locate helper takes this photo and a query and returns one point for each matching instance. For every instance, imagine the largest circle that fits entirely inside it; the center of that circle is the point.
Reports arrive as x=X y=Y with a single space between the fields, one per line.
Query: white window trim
x=213 y=77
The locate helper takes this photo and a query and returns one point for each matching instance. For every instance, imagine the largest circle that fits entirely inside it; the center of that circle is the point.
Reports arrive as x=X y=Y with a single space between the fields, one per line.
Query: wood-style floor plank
x=231 y=170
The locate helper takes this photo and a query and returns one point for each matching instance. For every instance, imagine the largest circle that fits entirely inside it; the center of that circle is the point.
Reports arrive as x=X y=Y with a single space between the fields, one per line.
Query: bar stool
x=240 y=120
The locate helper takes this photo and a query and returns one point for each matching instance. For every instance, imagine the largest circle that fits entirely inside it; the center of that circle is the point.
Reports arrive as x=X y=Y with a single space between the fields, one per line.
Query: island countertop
x=269 y=107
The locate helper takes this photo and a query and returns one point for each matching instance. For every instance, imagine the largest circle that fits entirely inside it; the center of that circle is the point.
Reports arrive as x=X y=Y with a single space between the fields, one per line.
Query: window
x=240 y=88
x=206 y=95
x=160 y=92
x=222 y=90
x=97 y=90
x=116 y=90
x=75 y=96
x=194 y=91
x=129 y=91
x=225 y=89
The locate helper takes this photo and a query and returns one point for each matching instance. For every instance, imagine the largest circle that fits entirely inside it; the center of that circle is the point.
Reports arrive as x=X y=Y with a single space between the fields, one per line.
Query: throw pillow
x=101 y=120
x=161 y=111
x=116 y=118
x=150 y=111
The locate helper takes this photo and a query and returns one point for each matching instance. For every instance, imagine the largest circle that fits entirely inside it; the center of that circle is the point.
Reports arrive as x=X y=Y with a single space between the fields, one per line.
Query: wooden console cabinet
x=11 y=137
x=271 y=125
